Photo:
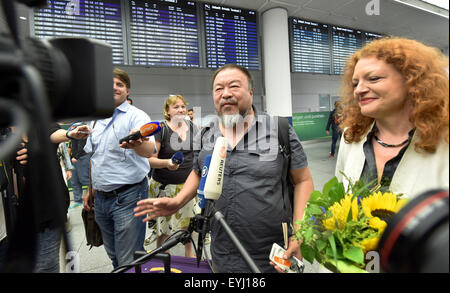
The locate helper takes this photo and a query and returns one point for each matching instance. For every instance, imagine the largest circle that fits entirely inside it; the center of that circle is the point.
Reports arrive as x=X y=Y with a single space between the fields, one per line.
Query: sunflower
x=381 y=205
x=378 y=224
x=340 y=212
x=369 y=244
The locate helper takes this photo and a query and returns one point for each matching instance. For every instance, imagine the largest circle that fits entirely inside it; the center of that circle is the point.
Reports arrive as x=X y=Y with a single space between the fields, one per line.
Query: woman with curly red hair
x=395 y=105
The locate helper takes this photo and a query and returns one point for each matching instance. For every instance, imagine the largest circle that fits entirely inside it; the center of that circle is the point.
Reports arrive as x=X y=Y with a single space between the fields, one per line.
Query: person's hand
x=328 y=132
x=22 y=154
x=74 y=160
x=132 y=144
x=156 y=207
x=85 y=201
x=80 y=132
x=292 y=250
x=171 y=166
x=68 y=174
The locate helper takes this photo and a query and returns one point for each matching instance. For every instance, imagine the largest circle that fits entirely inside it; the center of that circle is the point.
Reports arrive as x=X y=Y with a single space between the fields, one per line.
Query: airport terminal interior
x=295 y=51
x=95 y=260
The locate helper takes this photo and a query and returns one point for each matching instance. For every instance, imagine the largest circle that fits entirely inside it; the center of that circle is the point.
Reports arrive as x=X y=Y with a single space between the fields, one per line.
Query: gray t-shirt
x=251 y=200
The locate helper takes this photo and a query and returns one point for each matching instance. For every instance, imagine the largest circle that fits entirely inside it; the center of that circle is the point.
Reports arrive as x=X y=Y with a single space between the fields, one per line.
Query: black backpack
x=285 y=149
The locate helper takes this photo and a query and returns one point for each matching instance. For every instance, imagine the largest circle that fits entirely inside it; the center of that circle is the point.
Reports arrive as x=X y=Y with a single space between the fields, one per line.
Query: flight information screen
x=99 y=19
x=345 y=42
x=369 y=37
x=164 y=33
x=231 y=36
x=310 y=46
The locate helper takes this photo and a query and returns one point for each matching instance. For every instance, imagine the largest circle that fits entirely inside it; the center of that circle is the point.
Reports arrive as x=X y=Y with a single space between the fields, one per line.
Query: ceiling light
x=437 y=7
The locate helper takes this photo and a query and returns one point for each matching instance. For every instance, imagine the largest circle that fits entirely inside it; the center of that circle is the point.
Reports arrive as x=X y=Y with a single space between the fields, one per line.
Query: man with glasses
x=119 y=174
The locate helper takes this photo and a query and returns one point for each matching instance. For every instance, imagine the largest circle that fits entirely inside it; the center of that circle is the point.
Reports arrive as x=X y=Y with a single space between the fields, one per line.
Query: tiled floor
x=95 y=260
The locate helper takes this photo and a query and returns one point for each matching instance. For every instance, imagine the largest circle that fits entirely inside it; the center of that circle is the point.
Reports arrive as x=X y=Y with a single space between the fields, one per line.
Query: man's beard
x=231 y=120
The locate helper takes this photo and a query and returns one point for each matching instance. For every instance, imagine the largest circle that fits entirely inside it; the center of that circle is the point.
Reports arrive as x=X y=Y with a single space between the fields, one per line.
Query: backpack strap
x=285 y=149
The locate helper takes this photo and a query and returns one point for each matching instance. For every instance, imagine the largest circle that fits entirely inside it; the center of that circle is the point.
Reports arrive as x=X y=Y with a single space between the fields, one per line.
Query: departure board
x=345 y=42
x=310 y=46
x=99 y=19
x=231 y=36
x=369 y=37
x=164 y=33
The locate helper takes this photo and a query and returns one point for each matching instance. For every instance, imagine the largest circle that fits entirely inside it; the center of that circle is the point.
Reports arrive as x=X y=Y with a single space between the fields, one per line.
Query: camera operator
x=11 y=174
x=49 y=236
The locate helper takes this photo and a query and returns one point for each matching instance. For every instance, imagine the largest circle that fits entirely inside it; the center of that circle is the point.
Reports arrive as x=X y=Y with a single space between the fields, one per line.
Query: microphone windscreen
x=150 y=128
x=201 y=187
x=177 y=158
x=214 y=181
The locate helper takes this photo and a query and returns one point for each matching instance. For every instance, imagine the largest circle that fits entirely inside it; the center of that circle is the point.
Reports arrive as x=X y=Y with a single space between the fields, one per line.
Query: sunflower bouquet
x=340 y=226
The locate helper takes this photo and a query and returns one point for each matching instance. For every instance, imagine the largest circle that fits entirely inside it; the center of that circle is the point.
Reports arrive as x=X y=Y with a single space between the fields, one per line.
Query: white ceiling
x=399 y=18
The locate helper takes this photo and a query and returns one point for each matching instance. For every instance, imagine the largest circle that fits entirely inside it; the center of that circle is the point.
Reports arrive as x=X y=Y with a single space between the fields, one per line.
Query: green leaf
x=308 y=234
x=344 y=267
x=337 y=192
x=320 y=244
x=354 y=254
x=307 y=252
x=333 y=247
x=315 y=209
x=320 y=203
x=329 y=185
x=315 y=195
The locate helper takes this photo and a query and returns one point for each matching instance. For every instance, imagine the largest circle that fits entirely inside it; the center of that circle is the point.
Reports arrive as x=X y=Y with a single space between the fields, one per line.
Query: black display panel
x=231 y=36
x=164 y=33
x=310 y=46
x=345 y=42
x=99 y=19
x=369 y=37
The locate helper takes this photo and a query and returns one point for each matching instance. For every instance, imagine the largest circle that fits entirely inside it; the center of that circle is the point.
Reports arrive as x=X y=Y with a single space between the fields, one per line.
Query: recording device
x=416 y=238
x=213 y=188
x=44 y=81
x=214 y=181
x=177 y=158
x=76 y=124
x=148 y=129
x=201 y=187
x=201 y=203
x=77 y=74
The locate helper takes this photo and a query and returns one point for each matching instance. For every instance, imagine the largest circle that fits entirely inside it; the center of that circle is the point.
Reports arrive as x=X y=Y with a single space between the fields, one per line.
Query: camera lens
x=416 y=238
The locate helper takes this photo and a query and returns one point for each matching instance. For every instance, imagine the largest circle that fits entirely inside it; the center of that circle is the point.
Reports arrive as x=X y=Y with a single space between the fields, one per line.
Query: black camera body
x=77 y=74
x=44 y=81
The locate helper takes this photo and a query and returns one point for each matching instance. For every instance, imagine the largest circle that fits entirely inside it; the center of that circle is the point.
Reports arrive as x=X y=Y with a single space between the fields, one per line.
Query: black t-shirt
x=170 y=144
x=47 y=217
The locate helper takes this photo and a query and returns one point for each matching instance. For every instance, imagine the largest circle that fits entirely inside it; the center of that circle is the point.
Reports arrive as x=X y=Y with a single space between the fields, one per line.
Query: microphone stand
x=197 y=224
x=202 y=227
x=220 y=218
x=184 y=238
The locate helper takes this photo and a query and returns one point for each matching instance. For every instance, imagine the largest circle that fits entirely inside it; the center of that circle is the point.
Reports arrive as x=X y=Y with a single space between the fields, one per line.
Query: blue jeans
x=47 y=253
x=122 y=232
x=334 y=138
x=80 y=177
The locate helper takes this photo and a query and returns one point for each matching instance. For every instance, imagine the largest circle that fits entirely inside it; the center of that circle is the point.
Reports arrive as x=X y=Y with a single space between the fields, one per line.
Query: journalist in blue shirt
x=119 y=174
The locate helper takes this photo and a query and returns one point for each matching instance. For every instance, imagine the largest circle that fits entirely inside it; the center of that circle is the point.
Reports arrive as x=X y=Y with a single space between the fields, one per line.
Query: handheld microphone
x=201 y=187
x=148 y=129
x=214 y=181
x=177 y=158
x=213 y=188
